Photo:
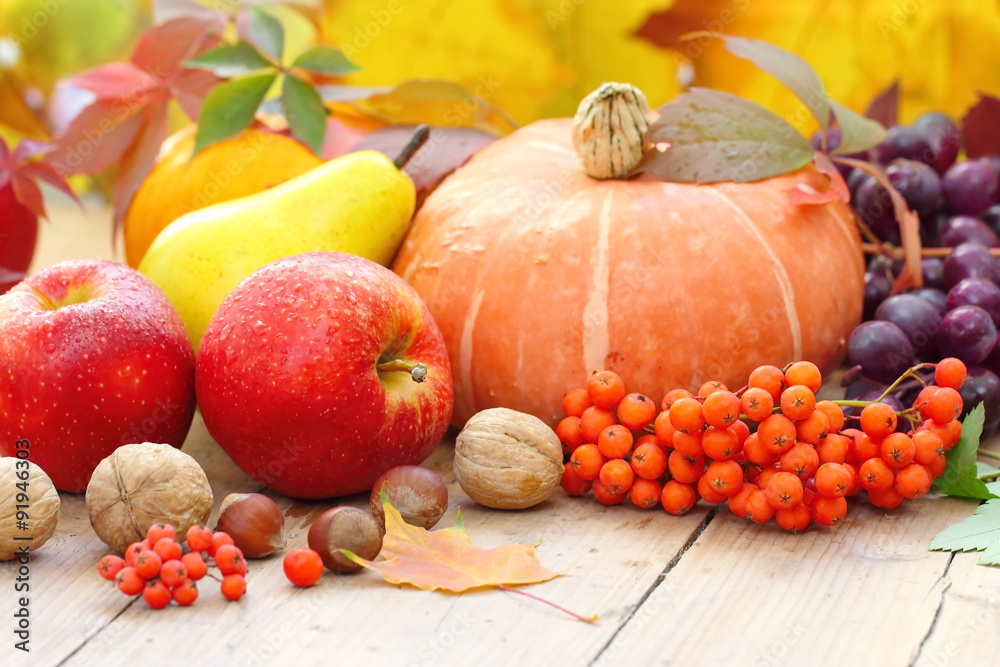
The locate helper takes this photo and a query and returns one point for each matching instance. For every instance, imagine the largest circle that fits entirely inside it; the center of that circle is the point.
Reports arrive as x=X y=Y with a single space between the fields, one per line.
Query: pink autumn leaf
x=162 y=49
x=26 y=165
x=116 y=80
x=127 y=123
x=28 y=193
x=97 y=137
x=139 y=159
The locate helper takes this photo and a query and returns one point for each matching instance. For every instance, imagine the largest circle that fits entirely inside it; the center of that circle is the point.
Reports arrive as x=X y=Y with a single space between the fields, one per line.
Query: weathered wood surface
x=706 y=588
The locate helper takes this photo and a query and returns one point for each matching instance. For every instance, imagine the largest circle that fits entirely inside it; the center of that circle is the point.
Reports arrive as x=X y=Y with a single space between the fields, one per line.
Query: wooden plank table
x=705 y=588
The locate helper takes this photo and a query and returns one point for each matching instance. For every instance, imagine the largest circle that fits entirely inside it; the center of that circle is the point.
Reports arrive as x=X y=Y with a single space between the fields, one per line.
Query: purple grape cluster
x=957 y=201
x=957 y=311
x=955 y=314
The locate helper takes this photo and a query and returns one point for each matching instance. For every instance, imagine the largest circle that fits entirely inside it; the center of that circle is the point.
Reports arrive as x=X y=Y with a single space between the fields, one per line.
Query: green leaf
x=305 y=112
x=325 y=60
x=230 y=60
x=788 y=68
x=961 y=477
x=976 y=533
x=230 y=107
x=857 y=132
x=267 y=33
x=994 y=488
x=992 y=554
x=716 y=136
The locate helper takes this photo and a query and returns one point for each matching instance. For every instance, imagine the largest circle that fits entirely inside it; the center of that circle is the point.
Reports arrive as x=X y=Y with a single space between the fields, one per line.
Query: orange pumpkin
x=539 y=275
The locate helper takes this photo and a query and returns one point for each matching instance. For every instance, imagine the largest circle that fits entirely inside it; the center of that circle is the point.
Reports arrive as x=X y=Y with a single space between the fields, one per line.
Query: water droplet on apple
x=258 y=328
x=50 y=348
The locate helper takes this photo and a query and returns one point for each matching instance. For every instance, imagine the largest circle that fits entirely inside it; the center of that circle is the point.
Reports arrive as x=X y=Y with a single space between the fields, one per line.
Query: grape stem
x=895 y=252
x=910 y=373
x=585 y=619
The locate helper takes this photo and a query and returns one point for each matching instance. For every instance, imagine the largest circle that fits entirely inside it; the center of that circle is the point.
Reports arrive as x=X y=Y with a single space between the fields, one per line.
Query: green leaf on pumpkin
x=791 y=70
x=716 y=136
x=230 y=107
x=857 y=132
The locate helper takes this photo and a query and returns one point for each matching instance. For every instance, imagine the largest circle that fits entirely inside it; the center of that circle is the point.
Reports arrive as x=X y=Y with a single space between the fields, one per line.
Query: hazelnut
x=24 y=483
x=141 y=485
x=346 y=528
x=418 y=494
x=506 y=459
x=254 y=521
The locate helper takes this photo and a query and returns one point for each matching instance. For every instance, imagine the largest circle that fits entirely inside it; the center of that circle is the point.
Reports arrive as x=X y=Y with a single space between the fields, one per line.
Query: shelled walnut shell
x=506 y=459
x=140 y=485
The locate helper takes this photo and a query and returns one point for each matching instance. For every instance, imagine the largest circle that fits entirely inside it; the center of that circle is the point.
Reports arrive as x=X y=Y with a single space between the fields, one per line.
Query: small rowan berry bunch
x=768 y=450
x=158 y=568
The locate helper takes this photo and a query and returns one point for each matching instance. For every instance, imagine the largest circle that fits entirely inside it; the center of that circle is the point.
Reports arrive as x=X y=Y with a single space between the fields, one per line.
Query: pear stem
x=417 y=371
x=419 y=138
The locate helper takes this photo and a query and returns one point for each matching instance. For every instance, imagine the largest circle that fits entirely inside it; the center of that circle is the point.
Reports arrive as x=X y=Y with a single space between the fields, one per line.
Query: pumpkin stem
x=608 y=130
x=419 y=138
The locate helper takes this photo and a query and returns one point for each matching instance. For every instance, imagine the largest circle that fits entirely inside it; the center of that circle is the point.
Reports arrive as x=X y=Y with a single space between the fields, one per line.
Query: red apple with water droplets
x=92 y=356
x=321 y=371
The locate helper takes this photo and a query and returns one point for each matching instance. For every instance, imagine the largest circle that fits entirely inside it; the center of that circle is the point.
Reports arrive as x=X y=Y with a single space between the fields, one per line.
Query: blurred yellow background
x=537 y=58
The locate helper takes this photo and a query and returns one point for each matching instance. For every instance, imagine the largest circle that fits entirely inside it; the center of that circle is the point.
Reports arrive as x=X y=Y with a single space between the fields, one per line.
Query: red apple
x=92 y=357
x=321 y=371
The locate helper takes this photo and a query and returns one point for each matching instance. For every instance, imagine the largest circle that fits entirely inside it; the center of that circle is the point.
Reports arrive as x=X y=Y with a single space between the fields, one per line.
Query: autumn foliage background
x=537 y=58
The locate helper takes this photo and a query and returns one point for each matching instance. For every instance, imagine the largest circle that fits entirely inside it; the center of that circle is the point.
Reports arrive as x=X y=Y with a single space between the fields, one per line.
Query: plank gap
x=692 y=538
x=97 y=632
x=937 y=612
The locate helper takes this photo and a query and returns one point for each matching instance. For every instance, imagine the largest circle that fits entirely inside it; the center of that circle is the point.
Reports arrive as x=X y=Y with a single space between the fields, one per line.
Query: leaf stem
x=990 y=455
x=586 y=619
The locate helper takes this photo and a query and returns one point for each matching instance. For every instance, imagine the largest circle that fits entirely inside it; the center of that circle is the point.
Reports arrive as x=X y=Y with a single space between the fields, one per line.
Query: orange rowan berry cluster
x=159 y=569
x=769 y=450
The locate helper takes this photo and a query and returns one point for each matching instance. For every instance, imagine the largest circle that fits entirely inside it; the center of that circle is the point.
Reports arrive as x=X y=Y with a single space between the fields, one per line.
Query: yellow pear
x=359 y=203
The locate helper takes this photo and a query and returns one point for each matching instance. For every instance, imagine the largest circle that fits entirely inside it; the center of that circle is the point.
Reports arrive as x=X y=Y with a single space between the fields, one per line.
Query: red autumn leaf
x=837 y=189
x=23 y=167
x=981 y=127
x=885 y=107
x=666 y=28
x=127 y=121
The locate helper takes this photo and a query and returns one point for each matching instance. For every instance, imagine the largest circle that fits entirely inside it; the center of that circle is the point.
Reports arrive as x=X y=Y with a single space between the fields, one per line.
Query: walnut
x=506 y=459
x=24 y=483
x=141 y=485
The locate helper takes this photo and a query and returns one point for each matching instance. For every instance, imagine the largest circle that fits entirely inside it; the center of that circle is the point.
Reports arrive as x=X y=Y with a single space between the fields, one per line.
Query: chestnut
x=255 y=523
x=346 y=528
x=418 y=494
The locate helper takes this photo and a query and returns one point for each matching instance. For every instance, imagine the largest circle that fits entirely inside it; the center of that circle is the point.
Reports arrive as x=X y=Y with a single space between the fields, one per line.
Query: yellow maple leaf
x=531 y=58
x=446 y=559
x=941 y=52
